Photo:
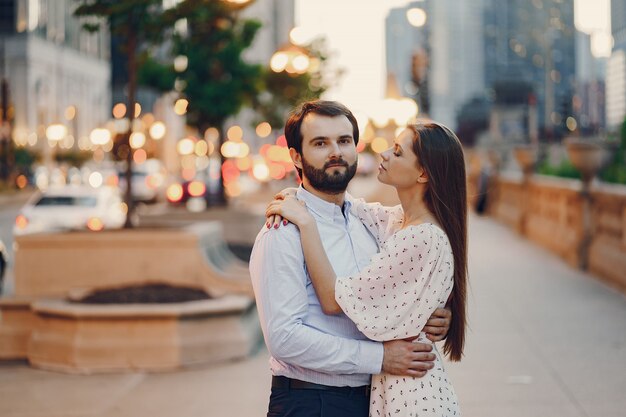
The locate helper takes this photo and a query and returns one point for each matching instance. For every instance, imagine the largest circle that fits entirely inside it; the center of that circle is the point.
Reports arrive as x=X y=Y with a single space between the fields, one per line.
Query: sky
x=354 y=30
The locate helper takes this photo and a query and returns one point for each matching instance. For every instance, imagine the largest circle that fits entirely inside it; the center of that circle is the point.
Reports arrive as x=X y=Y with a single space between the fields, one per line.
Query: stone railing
x=552 y=213
x=607 y=250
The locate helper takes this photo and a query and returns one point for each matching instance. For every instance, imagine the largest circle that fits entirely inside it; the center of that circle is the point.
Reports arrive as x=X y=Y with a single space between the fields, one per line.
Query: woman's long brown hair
x=440 y=153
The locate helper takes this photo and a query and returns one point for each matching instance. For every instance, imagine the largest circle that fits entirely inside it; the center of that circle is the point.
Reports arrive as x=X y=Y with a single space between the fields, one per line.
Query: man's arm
x=279 y=280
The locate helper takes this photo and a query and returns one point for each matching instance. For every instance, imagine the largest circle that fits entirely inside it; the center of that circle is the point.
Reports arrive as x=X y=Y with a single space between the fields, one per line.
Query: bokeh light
x=180 y=107
x=119 y=110
x=235 y=133
x=263 y=129
x=379 y=144
x=157 y=130
x=140 y=156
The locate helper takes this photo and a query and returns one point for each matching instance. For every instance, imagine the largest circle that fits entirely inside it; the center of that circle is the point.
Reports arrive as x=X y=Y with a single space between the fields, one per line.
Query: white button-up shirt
x=305 y=343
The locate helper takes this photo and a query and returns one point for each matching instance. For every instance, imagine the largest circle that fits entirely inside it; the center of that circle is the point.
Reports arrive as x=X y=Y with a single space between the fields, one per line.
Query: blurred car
x=182 y=191
x=146 y=187
x=71 y=207
x=147 y=181
x=4 y=261
x=195 y=195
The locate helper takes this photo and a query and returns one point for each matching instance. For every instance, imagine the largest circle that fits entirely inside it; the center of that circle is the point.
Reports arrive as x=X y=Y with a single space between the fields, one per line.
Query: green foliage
x=283 y=93
x=154 y=74
x=217 y=81
x=141 y=17
x=565 y=169
x=25 y=158
x=615 y=172
x=73 y=158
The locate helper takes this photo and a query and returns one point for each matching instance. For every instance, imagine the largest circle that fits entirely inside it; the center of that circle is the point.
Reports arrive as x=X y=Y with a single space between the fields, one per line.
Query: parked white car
x=71 y=207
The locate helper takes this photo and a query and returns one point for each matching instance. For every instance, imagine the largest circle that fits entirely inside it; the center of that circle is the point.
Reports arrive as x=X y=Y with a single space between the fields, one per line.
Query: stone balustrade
x=550 y=211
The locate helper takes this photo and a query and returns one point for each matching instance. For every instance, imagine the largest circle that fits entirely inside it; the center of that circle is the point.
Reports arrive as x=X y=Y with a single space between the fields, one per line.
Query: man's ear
x=296 y=157
x=423 y=177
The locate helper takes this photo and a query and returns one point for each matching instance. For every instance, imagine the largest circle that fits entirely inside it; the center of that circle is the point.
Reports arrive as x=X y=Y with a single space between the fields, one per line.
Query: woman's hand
x=290 y=209
x=275 y=219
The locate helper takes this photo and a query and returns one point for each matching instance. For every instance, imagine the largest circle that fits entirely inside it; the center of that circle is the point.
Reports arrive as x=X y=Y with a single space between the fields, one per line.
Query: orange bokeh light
x=21 y=221
x=95 y=224
x=277 y=171
x=230 y=172
x=281 y=141
x=196 y=188
x=174 y=193
x=21 y=181
x=140 y=156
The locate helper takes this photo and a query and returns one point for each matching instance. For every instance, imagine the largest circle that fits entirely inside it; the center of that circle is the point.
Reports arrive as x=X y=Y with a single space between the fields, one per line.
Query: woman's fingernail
x=276 y=226
x=285 y=222
x=268 y=225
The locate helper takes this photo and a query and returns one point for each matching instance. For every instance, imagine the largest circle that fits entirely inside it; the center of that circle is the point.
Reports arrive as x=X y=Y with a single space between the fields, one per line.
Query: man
x=321 y=364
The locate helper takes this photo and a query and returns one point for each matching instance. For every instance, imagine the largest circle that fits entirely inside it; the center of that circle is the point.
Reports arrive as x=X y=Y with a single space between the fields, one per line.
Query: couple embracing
x=353 y=295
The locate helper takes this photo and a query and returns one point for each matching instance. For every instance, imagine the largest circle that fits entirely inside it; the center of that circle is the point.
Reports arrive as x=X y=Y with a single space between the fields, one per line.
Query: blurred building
x=589 y=102
x=457 y=57
x=407 y=51
x=534 y=42
x=56 y=72
x=440 y=62
x=616 y=67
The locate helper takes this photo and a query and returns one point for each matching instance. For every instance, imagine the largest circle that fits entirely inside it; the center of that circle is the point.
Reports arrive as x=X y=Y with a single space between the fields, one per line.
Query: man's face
x=329 y=156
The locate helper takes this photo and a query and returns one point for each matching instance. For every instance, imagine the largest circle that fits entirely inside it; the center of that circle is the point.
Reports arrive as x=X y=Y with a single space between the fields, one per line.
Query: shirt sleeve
x=376 y=217
x=394 y=296
x=279 y=279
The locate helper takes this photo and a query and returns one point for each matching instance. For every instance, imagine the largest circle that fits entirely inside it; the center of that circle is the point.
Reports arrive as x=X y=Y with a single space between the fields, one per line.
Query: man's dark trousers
x=289 y=399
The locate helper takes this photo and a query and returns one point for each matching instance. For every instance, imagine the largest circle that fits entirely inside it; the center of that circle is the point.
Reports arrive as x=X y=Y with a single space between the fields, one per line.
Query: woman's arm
x=317 y=263
x=320 y=270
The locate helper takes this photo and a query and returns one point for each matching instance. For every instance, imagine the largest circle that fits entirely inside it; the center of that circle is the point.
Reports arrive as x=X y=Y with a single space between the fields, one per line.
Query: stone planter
x=526 y=157
x=16 y=323
x=587 y=157
x=54 y=264
x=89 y=338
x=81 y=338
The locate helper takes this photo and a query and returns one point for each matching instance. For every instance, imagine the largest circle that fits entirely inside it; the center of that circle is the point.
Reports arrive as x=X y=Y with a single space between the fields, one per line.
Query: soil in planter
x=144 y=294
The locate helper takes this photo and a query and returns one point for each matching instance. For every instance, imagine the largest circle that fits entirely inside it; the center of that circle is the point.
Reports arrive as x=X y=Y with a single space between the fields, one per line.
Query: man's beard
x=334 y=183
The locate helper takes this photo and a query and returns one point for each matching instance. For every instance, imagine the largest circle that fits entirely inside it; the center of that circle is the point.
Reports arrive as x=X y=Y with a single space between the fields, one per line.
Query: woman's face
x=400 y=166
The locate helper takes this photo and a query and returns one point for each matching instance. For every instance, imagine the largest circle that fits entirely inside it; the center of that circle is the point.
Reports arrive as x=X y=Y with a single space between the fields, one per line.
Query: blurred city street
x=141 y=140
x=544 y=340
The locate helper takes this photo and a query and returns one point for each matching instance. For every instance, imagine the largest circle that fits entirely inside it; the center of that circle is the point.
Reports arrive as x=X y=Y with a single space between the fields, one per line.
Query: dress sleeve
x=394 y=296
x=376 y=217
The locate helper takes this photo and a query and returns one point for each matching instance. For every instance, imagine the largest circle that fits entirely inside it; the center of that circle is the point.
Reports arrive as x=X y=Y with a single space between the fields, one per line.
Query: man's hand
x=407 y=358
x=438 y=325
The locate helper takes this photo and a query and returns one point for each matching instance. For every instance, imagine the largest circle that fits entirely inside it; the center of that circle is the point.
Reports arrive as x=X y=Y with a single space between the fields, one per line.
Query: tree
x=138 y=22
x=217 y=81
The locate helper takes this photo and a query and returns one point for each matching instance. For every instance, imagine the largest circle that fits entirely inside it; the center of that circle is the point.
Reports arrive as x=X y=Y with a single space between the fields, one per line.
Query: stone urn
x=586 y=156
x=526 y=157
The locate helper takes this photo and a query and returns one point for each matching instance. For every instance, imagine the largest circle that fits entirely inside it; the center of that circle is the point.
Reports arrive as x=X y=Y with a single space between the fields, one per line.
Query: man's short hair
x=321 y=107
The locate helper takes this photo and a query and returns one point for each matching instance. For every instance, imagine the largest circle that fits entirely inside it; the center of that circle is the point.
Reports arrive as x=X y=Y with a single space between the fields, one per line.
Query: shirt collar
x=322 y=208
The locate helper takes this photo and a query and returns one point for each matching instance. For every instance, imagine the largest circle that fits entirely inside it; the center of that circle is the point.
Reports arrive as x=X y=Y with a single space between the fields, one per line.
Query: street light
x=292 y=59
x=238 y=4
x=56 y=132
x=416 y=17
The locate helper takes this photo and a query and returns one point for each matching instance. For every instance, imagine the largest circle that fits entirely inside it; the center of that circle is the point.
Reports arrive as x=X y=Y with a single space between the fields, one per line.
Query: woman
x=422 y=264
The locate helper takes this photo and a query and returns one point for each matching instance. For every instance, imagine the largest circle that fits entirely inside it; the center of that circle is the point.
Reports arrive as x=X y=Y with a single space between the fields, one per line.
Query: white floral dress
x=393 y=297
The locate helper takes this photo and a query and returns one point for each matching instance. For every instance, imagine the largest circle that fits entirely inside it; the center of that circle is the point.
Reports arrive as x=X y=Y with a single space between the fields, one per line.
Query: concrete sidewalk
x=544 y=340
